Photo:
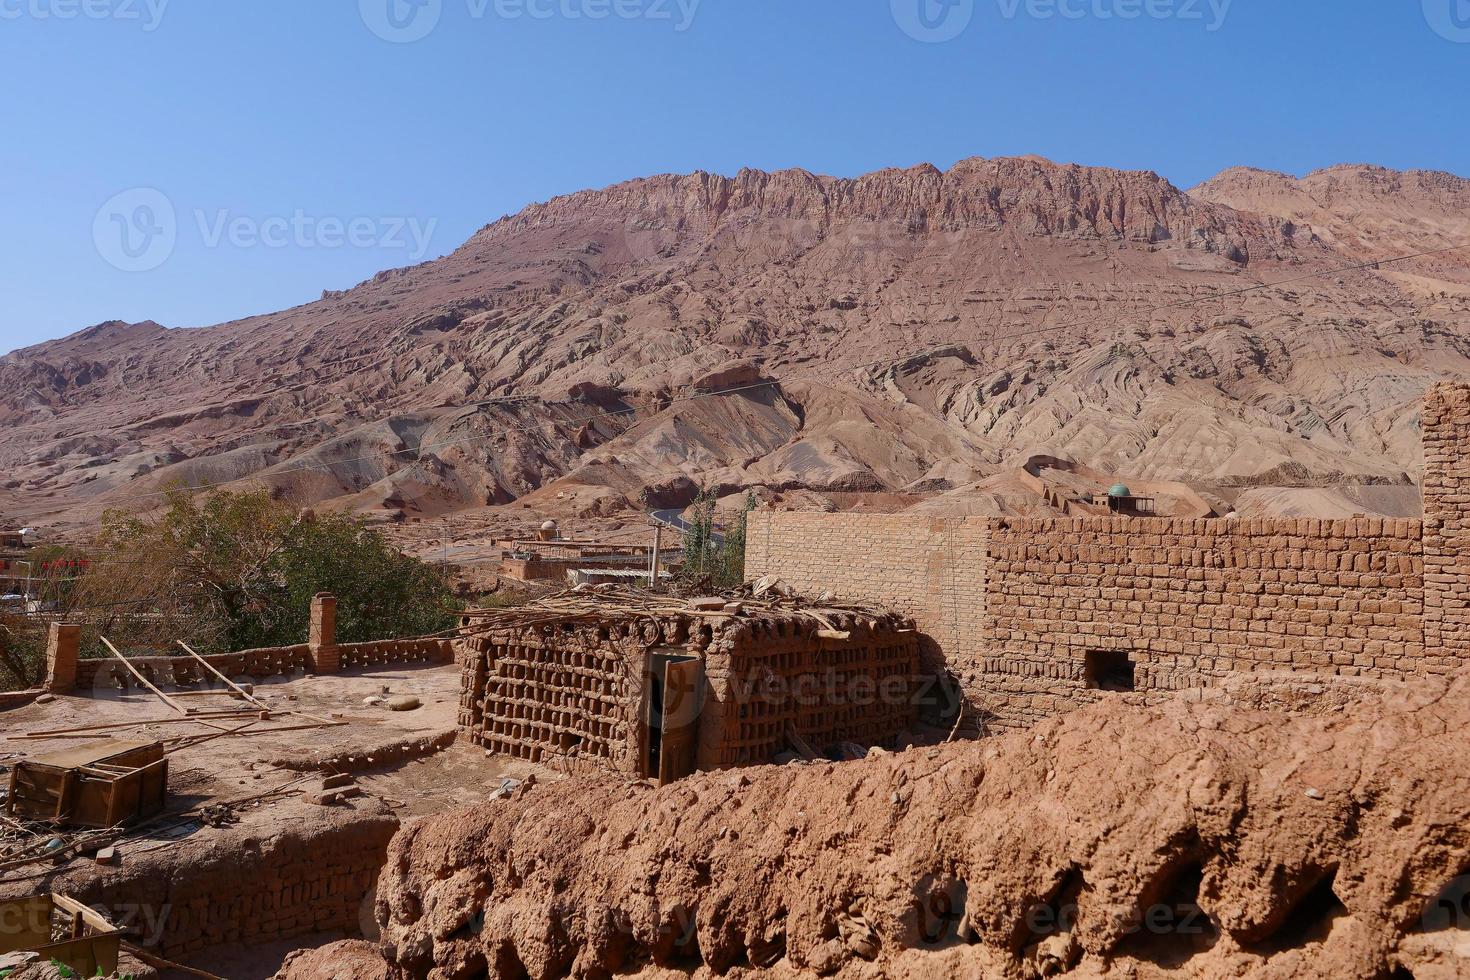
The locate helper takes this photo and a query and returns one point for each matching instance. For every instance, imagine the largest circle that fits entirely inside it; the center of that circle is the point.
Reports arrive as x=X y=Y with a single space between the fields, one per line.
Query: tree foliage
x=232 y=571
x=710 y=556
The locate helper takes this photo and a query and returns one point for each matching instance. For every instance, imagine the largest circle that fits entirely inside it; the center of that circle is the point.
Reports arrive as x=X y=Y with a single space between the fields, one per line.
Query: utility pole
x=658 y=531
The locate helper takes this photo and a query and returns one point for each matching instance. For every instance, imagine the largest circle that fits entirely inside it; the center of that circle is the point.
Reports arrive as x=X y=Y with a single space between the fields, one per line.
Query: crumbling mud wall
x=262 y=880
x=1192 y=838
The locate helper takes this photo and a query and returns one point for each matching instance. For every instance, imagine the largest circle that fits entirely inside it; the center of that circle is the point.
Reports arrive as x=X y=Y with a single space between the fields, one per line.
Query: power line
x=739 y=389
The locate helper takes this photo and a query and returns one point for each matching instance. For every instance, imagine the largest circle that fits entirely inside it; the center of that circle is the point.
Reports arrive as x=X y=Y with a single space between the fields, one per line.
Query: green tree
x=709 y=556
x=232 y=571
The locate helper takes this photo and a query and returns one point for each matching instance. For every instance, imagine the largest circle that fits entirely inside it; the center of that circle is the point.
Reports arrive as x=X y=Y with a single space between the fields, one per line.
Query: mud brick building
x=1039 y=615
x=664 y=694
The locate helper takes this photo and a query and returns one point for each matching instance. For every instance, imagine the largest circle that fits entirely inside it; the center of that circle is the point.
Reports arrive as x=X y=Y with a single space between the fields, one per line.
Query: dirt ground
x=396 y=758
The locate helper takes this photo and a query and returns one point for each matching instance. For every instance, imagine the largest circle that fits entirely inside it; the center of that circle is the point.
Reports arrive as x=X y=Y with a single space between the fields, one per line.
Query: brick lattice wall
x=573 y=691
x=563 y=691
x=258 y=664
x=769 y=675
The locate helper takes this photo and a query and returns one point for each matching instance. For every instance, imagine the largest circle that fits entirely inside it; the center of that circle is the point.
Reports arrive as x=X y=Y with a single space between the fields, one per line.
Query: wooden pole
x=144 y=681
x=653 y=569
x=211 y=668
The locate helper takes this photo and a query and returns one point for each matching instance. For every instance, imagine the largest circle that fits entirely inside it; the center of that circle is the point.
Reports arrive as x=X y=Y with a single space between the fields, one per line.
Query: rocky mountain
x=908 y=330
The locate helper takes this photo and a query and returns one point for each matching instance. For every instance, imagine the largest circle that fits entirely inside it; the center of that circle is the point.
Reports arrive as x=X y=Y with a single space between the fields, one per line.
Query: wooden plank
x=83 y=731
x=799 y=744
x=679 y=720
x=211 y=668
x=143 y=680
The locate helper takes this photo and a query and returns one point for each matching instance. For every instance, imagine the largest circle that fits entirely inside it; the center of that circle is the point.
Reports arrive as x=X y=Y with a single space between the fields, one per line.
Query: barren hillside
x=905 y=330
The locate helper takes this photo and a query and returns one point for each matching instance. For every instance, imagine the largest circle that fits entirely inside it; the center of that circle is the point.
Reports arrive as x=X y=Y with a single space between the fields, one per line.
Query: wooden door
x=683 y=700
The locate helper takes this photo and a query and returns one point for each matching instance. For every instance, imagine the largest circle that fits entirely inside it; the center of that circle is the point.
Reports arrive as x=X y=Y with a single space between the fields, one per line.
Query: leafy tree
x=232 y=571
x=719 y=560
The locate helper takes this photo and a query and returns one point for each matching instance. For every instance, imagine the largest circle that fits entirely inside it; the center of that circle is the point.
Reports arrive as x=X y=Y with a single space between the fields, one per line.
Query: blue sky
x=192 y=161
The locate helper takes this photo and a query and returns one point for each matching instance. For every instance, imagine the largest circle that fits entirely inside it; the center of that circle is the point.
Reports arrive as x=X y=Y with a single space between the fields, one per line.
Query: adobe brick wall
x=250 y=884
x=932 y=570
x=572 y=692
x=1191 y=602
x=1014 y=606
x=1446 y=439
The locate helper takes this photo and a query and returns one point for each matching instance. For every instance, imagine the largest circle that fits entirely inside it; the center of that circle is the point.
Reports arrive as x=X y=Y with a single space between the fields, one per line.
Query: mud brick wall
x=184 y=670
x=1014 y=607
x=770 y=674
x=932 y=570
x=382 y=653
x=1446 y=439
x=1190 y=602
x=252 y=883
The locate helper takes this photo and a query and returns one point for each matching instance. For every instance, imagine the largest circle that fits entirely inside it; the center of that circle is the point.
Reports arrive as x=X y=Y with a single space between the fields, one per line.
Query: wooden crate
x=60 y=928
x=97 y=785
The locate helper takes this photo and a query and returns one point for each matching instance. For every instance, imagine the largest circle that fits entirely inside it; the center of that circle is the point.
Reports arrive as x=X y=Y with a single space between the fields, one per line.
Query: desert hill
x=908 y=330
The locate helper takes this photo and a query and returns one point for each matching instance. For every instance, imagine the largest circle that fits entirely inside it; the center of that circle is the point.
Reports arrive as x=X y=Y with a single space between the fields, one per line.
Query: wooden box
x=60 y=928
x=97 y=785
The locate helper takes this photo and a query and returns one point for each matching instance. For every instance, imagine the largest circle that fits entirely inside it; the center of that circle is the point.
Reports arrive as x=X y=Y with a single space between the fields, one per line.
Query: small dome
x=1119 y=490
x=549 y=526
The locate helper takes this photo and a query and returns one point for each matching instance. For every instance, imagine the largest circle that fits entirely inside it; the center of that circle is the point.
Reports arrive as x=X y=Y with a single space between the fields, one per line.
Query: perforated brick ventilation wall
x=575 y=693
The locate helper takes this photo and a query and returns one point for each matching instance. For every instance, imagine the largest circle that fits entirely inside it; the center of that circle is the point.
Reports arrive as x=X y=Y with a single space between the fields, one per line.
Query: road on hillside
x=674 y=519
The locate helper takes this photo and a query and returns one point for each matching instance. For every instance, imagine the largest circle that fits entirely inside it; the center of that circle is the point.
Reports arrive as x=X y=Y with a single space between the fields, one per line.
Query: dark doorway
x=673 y=700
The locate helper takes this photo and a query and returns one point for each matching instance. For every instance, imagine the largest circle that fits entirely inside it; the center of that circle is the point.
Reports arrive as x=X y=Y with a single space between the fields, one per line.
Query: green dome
x=1119 y=490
